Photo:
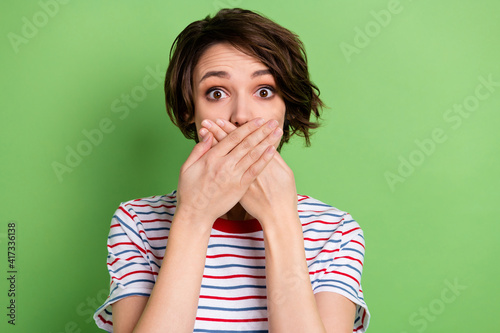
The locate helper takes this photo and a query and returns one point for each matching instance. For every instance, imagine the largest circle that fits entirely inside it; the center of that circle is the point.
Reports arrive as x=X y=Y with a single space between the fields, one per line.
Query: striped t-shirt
x=233 y=289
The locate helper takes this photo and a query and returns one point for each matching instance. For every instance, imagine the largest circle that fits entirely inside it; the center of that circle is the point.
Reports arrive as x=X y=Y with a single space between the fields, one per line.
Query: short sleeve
x=131 y=272
x=344 y=267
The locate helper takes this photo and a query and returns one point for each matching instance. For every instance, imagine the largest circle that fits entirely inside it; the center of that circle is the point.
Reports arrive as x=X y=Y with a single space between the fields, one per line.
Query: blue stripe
x=320 y=214
x=349 y=249
x=354 y=294
x=126 y=251
x=201 y=330
x=127 y=265
x=109 y=301
x=237 y=247
x=121 y=285
x=233 y=287
x=123 y=224
x=135 y=233
x=154 y=229
x=317 y=230
x=339 y=265
x=116 y=235
x=321 y=247
x=162 y=198
x=234 y=265
x=130 y=210
x=301 y=203
x=233 y=309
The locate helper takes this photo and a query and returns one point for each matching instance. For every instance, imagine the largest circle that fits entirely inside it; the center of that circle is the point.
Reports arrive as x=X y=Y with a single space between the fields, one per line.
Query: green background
x=434 y=226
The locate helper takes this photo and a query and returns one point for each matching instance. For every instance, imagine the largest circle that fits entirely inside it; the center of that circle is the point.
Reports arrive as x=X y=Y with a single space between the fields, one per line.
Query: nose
x=242 y=110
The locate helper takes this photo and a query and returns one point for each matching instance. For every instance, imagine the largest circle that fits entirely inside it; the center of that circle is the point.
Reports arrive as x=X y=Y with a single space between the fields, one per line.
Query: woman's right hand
x=213 y=180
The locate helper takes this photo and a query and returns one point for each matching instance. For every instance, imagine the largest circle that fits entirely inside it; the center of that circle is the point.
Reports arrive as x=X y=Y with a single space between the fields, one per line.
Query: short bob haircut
x=276 y=47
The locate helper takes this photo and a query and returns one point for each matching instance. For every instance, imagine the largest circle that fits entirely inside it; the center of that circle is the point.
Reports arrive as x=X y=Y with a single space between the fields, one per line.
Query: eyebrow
x=225 y=75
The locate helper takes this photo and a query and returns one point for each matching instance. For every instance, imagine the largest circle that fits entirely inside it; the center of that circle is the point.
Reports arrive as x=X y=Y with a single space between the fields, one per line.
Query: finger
x=216 y=128
x=255 y=169
x=226 y=126
x=236 y=137
x=198 y=151
x=203 y=131
x=254 y=154
x=254 y=139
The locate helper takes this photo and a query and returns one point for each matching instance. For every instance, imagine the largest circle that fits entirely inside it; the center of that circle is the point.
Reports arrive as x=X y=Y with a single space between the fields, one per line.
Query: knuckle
x=234 y=138
x=254 y=155
x=246 y=144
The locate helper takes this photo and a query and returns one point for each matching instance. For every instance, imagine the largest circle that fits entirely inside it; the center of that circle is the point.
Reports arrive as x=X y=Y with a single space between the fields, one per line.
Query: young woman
x=235 y=249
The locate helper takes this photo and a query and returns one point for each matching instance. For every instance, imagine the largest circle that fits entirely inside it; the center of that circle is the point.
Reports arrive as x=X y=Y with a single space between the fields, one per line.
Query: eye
x=216 y=94
x=265 y=92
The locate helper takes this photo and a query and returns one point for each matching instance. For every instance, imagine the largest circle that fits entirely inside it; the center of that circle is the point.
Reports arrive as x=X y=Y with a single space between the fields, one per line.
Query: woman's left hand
x=273 y=193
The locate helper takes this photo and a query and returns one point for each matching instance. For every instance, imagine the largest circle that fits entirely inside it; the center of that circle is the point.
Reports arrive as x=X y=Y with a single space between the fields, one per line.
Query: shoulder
x=144 y=217
x=140 y=209
x=320 y=216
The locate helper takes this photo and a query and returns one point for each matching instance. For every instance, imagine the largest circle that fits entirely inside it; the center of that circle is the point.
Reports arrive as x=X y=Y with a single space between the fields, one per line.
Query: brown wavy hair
x=276 y=47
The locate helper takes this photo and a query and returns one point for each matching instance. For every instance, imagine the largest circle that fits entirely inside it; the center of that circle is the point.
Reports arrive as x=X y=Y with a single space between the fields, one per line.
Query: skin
x=234 y=172
x=232 y=87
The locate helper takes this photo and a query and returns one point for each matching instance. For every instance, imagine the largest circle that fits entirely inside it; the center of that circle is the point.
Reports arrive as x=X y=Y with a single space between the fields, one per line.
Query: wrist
x=194 y=219
x=281 y=223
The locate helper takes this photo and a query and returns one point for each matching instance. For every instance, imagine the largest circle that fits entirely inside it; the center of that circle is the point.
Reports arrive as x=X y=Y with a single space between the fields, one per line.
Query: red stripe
x=111 y=264
x=115 y=225
x=128 y=243
x=128 y=259
x=231 y=320
x=351 y=258
x=362 y=321
x=316 y=239
x=344 y=274
x=232 y=298
x=358 y=243
x=156 y=220
x=135 y=205
x=237 y=237
x=157 y=238
x=349 y=231
x=358 y=328
x=104 y=320
x=152 y=238
x=135 y=272
x=325 y=251
x=234 y=276
x=133 y=257
x=159 y=258
x=127 y=213
x=233 y=255
x=322 y=222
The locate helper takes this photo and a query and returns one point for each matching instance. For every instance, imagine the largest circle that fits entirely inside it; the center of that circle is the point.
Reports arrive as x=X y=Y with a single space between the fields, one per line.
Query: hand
x=212 y=181
x=272 y=192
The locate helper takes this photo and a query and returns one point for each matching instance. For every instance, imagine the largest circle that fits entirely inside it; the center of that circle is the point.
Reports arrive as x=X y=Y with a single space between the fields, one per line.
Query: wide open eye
x=216 y=94
x=265 y=92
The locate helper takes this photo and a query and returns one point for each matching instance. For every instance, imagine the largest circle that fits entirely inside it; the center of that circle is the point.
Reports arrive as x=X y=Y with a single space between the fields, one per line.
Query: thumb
x=198 y=151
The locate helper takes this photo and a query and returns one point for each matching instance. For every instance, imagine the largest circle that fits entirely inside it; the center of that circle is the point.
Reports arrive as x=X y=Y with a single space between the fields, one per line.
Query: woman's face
x=233 y=86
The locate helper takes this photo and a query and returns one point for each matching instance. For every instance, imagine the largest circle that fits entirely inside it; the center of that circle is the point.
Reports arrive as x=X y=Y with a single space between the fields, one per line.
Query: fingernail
x=220 y=122
x=205 y=138
x=203 y=131
x=277 y=132
x=206 y=123
x=272 y=123
x=271 y=150
x=259 y=121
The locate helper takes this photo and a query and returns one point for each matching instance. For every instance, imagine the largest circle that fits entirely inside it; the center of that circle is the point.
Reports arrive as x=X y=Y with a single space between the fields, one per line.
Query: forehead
x=224 y=56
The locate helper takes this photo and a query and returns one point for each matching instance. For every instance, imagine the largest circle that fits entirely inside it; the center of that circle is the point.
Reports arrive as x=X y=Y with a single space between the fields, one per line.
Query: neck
x=237 y=213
